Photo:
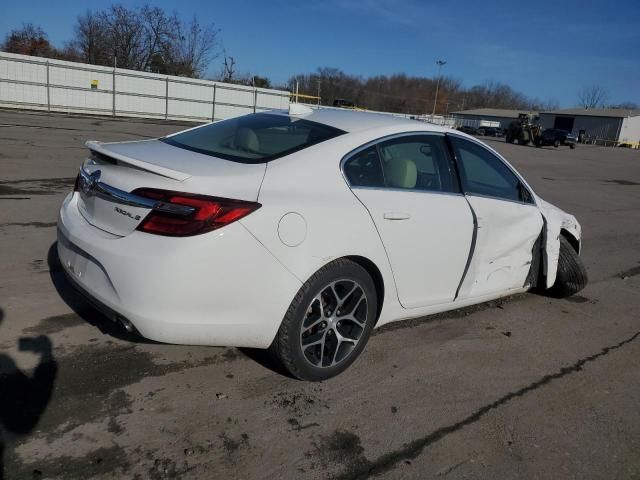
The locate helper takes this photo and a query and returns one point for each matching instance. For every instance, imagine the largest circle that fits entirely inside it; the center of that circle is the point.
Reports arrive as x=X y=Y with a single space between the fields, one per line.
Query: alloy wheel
x=334 y=323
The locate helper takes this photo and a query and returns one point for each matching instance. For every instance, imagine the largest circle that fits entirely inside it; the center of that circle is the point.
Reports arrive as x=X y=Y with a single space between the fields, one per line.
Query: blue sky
x=546 y=49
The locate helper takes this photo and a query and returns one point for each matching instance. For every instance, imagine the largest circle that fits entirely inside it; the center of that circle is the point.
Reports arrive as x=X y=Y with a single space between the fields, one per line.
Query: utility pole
x=440 y=63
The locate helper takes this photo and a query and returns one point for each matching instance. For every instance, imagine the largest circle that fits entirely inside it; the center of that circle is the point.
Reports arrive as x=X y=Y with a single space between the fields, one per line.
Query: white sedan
x=302 y=230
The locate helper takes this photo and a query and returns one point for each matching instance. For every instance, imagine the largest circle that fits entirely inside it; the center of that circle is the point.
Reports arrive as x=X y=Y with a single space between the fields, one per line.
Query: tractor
x=525 y=130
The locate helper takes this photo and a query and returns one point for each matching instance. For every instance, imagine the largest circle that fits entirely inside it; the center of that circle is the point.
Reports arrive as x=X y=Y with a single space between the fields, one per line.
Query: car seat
x=401 y=173
x=247 y=141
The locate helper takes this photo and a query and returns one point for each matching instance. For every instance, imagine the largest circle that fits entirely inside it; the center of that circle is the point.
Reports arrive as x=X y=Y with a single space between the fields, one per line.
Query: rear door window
x=256 y=138
x=408 y=162
x=418 y=162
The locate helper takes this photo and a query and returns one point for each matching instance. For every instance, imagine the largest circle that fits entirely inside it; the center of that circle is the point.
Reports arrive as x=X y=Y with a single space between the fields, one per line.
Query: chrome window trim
x=386 y=138
x=408 y=190
x=504 y=162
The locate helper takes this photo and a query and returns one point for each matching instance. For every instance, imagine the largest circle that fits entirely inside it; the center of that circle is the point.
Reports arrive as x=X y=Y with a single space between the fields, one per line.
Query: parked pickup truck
x=556 y=137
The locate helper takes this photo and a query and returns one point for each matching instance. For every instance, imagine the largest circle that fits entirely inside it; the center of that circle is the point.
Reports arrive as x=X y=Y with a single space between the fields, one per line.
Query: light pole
x=440 y=63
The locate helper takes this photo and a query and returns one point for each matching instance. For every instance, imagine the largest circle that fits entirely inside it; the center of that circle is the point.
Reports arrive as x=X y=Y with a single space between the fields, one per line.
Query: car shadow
x=266 y=359
x=24 y=396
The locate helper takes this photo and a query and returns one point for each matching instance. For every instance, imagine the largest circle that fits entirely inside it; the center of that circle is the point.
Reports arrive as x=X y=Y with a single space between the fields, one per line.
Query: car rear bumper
x=220 y=288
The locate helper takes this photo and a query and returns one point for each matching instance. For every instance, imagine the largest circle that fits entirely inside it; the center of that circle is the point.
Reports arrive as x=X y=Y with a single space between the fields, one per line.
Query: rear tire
x=572 y=275
x=317 y=340
x=572 y=146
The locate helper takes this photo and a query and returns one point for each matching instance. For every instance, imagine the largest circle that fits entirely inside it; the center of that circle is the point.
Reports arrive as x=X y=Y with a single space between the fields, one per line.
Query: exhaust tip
x=127 y=325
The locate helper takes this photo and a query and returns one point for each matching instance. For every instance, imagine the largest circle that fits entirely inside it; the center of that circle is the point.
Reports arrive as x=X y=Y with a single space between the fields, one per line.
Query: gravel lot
x=528 y=387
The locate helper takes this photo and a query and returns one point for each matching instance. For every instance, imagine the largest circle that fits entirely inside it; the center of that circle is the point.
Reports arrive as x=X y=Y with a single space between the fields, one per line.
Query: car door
x=408 y=185
x=508 y=222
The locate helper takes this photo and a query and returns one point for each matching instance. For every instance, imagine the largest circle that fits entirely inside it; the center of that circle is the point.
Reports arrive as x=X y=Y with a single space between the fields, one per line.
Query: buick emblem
x=88 y=181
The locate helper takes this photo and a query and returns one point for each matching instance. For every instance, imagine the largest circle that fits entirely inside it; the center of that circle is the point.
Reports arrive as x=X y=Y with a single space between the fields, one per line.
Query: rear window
x=256 y=138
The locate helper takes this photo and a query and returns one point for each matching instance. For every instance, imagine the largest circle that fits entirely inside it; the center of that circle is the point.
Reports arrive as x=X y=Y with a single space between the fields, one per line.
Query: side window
x=418 y=162
x=364 y=169
x=485 y=174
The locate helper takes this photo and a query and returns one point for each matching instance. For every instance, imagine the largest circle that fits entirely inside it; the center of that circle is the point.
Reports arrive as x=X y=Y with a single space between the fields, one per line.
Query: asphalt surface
x=527 y=387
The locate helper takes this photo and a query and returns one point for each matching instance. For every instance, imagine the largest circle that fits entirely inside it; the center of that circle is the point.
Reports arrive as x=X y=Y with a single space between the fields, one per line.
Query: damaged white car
x=302 y=230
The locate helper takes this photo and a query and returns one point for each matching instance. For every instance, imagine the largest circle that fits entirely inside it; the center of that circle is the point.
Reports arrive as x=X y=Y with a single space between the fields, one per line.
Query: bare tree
x=228 y=68
x=625 y=106
x=592 y=97
x=414 y=95
x=160 y=32
x=125 y=36
x=90 y=42
x=146 y=39
x=193 y=48
x=28 y=40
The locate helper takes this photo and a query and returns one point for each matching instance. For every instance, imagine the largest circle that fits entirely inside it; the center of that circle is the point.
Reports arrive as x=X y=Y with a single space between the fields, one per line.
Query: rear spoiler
x=103 y=149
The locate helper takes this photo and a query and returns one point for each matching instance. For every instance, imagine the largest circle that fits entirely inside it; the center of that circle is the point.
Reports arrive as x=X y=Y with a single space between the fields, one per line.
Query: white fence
x=55 y=85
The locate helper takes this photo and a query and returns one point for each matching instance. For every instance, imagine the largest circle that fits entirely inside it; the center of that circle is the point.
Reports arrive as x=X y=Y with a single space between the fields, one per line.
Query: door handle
x=396 y=216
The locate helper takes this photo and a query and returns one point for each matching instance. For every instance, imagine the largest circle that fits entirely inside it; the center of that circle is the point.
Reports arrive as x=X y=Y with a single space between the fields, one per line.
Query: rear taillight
x=183 y=214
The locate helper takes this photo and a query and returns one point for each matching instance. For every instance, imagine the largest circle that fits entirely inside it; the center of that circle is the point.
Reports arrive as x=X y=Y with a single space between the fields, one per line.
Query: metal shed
x=599 y=125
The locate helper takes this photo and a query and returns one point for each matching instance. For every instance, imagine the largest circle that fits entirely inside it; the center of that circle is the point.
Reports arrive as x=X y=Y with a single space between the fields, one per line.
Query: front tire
x=328 y=322
x=572 y=275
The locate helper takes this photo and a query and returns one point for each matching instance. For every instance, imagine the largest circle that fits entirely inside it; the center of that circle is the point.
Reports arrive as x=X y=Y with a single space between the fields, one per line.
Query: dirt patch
x=114 y=427
x=297 y=426
x=165 y=468
x=112 y=460
x=622 y=182
x=342 y=448
x=54 y=324
x=29 y=224
x=297 y=403
x=577 y=299
x=91 y=379
x=232 y=445
x=36 y=186
x=632 y=272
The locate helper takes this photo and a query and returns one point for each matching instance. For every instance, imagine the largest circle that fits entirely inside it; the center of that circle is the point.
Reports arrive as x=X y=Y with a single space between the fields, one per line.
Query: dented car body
x=302 y=231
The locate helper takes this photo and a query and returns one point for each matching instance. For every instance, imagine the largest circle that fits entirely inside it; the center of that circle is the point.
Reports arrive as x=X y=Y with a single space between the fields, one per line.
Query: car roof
x=357 y=121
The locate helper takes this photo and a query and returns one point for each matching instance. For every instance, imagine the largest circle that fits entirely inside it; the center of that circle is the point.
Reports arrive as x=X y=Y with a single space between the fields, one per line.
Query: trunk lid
x=114 y=170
